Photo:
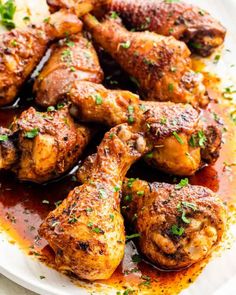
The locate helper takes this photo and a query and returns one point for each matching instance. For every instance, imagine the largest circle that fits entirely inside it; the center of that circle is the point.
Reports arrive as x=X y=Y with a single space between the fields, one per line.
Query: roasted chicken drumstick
x=22 y=50
x=177 y=226
x=180 y=154
x=42 y=146
x=72 y=59
x=87 y=231
x=184 y=21
x=161 y=65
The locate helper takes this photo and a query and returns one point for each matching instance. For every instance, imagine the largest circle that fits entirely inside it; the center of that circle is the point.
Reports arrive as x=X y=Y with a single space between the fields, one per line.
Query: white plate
x=219 y=276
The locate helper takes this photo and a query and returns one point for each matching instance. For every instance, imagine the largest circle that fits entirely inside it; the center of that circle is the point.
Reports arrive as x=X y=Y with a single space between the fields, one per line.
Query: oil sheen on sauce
x=23 y=206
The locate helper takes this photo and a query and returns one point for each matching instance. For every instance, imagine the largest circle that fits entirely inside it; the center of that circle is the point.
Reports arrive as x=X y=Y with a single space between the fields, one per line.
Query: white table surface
x=7 y=287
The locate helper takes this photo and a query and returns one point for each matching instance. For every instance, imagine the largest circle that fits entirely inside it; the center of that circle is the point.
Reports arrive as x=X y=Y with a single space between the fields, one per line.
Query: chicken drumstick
x=22 y=50
x=184 y=21
x=36 y=151
x=161 y=65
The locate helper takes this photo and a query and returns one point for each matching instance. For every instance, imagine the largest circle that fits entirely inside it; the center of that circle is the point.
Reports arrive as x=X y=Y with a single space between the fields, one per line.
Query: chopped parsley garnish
x=178 y=138
x=140 y=193
x=90 y=224
x=97 y=230
x=7 y=11
x=183 y=182
x=128 y=198
x=184 y=218
x=189 y=205
x=233 y=117
x=98 y=98
x=32 y=133
x=181 y=208
x=70 y=43
x=125 y=45
x=163 y=121
x=131 y=112
x=3 y=137
x=67 y=56
x=176 y=230
x=116 y=188
x=198 y=139
x=60 y=105
x=130 y=237
x=128 y=292
x=72 y=219
x=130 y=182
x=111 y=216
x=114 y=15
x=102 y=194
x=26 y=18
x=51 y=109
x=88 y=210
x=14 y=43
x=42 y=277
x=146 y=282
x=216 y=59
x=173 y=69
x=195 y=45
x=136 y=258
x=149 y=156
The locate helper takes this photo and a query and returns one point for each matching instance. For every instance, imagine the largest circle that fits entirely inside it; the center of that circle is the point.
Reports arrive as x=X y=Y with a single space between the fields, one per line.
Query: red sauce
x=23 y=206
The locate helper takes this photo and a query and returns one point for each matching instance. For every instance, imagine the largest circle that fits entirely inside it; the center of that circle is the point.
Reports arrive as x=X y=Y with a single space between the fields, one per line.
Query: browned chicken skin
x=175 y=153
x=177 y=226
x=42 y=146
x=22 y=49
x=161 y=65
x=72 y=59
x=87 y=231
x=184 y=21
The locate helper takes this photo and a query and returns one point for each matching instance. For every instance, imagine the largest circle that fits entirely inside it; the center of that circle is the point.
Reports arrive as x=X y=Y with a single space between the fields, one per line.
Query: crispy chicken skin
x=36 y=151
x=22 y=49
x=185 y=22
x=172 y=153
x=177 y=227
x=161 y=65
x=72 y=59
x=87 y=231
